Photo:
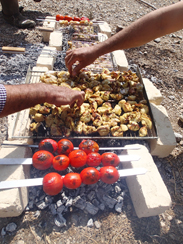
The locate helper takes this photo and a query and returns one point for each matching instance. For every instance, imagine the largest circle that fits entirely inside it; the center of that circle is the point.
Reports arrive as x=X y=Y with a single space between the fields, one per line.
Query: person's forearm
x=20 y=97
x=155 y=24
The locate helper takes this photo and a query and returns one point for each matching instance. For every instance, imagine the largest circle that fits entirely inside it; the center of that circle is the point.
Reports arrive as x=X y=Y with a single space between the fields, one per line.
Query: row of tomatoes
x=54 y=182
x=69 y=18
x=87 y=154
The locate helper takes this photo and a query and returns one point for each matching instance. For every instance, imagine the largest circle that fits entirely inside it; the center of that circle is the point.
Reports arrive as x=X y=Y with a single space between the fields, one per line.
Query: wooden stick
x=13 y=49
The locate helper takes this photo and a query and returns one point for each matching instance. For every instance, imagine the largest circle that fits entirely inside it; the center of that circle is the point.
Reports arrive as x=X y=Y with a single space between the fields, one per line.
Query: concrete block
x=45 y=62
x=14 y=201
x=49 y=22
x=49 y=52
x=102 y=37
x=120 y=60
x=148 y=192
x=36 y=73
x=166 y=141
x=56 y=40
x=105 y=28
x=153 y=94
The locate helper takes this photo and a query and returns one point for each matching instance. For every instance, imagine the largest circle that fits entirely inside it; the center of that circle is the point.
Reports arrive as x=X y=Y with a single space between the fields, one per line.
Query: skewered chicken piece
x=143 y=131
x=103 y=130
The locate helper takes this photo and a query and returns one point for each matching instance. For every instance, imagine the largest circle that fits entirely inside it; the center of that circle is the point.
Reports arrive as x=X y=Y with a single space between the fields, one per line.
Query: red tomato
x=89 y=146
x=60 y=162
x=84 y=18
x=69 y=18
x=65 y=146
x=59 y=17
x=72 y=180
x=90 y=175
x=42 y=159
x=93 y=159
x=48 y=145
x=110 y=158
x=77 y=158
x=52 y=183
x=76 y=19
x=109 y=174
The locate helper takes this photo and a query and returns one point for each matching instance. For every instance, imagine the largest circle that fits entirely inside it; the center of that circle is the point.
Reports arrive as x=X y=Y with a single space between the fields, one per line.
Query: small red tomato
x=90 y=175
x=76 y=19
x=60 y=162
x=72 y=180
x=89 y=146
x=93 y=159
x=42 y=159
x=52 y=183
x=77 y=158
x=109 y=174
x=65 y=146
x=49 y=145
x=84 y=18
x=59 y=17
x=110 y=159
x=69 y=18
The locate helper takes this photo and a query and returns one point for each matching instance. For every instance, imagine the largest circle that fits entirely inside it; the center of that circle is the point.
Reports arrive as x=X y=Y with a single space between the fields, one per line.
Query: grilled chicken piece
x=135 y=116
x=117 y=110
x=55 y=130
x=69 y=122
x=125 y=106
x=84 y=107
x=133 y=126
x=104 y=110
x=142 y=108
x=132 y=97
x=124 y=118
x=38 y=117
x=98 y=99
x=117 y=97
x=56 y=111
x=116 y=131
x=58 y=121
x=143 y=131
x=105 y=95
x=103 y=130
x=85 y=117
x=88 y=93
x=65 y=131
x=88 y=129
x=34 y=126
x=78 y=128
x=146 y=121
x=123 y=127
x=44 y=110
x=49 y=120
x=35 y=109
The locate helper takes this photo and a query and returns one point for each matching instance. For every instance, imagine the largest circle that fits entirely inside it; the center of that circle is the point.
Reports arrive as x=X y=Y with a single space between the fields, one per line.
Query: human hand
x=61 y=95
x=84 y=56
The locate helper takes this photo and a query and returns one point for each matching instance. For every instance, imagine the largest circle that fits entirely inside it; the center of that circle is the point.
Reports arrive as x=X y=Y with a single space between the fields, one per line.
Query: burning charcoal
x=60 y=209
x=69 y=202
x=100 y=193
x=90 y=223
x=118 y=207
x=117 y=189
x=80 y=203
x=119 y=199
x=3 y=232
x=60 y=221
x=11 y=227
x=102 y=206
x=48 y=199
x=97 y=224
x=91 y=195
x=95 y=202
x=108 y=188
x=31 y=204
x=90 y=208
x=109 y=201
x=37 y=214
x=52 y=208
x=42 y=205
x=59 y=203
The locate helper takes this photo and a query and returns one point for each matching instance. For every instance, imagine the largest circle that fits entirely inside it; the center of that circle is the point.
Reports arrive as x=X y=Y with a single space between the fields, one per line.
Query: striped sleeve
x=2 y=97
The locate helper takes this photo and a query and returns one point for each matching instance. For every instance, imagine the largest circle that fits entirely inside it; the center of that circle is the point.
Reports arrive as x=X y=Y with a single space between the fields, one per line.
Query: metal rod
x=127 y=147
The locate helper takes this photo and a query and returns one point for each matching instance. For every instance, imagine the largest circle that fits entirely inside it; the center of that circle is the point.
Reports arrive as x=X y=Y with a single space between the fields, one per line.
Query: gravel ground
x=161 y=62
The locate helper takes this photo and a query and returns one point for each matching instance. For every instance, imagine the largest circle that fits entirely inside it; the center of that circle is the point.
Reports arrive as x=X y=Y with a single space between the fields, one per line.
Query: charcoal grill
x=22 y=121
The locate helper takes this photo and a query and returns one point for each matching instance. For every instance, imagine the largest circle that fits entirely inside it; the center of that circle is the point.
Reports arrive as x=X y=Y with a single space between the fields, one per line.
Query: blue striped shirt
x=2 y=97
